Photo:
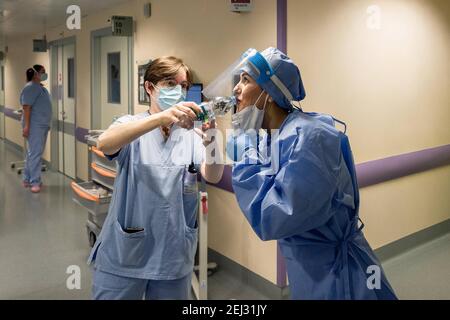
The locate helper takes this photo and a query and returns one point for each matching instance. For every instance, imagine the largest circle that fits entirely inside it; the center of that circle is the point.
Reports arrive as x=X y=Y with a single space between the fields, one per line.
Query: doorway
x=63 y=84
x=2 y=99
x=111 y=78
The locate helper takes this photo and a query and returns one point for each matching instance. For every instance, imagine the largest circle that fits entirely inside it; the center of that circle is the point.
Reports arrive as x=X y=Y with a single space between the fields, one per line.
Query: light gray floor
x=41 y=235
x=423 y=272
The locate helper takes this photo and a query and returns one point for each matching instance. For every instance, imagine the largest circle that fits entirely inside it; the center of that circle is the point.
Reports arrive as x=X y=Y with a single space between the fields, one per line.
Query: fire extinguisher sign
x=241 y=5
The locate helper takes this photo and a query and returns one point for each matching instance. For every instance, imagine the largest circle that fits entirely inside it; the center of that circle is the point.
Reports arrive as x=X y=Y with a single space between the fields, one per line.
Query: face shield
x=257 y=66
x=219 y=92
x=224 y=84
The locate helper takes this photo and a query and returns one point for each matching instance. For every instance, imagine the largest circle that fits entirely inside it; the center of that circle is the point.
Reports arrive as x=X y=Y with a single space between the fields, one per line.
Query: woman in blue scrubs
x=147 y=244
x=37 y=115
x=298 y=185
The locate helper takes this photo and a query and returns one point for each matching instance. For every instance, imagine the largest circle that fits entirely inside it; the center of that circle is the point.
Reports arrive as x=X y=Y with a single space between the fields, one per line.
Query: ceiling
x=19 y=18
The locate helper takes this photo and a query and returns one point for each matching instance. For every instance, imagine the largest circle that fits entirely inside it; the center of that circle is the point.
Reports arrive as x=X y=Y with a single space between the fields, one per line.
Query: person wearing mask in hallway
x=298 y=185
x=147 y=244
x=36 y=118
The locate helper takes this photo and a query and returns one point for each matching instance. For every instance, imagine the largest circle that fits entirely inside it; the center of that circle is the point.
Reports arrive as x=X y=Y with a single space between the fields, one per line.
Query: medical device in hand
x=218 y=106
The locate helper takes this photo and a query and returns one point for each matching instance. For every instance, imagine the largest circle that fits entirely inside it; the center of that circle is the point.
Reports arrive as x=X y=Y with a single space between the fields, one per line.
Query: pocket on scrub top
x=129 y=249
x=190 y=243
x=190 y=198
x=190 y=209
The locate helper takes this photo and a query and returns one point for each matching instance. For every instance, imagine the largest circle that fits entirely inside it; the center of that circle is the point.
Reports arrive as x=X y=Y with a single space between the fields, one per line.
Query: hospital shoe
x=36 y=188
x=26 y=184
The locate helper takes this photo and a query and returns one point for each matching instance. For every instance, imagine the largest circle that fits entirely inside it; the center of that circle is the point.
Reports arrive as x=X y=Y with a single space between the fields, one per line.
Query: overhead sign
x=122 y=26
x=39 y=45
x=241 y=5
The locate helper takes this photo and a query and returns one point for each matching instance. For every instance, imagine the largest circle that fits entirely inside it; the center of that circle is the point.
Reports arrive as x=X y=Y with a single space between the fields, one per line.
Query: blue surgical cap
x=284 y=83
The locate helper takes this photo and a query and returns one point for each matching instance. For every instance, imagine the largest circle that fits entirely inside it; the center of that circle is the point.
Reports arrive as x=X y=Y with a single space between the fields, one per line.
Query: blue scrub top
x=151 y=231
x=38 y=97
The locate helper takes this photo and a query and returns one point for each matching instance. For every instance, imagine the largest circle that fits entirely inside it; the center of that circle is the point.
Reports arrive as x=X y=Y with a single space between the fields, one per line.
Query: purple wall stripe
x=80 y=134
x=10 y=113
x=281 y=269
x=282 y=25
x=281 y=45
x=382 y=170
x=225 y=183
x=377 y=171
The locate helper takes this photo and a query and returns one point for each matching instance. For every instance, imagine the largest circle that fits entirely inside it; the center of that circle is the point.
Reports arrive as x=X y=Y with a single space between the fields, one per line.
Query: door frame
x=96 y=36
x=54 y=136
x=3 y=105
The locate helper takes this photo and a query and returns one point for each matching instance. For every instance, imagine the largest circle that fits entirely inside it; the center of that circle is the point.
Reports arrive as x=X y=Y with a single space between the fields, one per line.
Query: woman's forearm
x=26 y=116
x=117 y=136
x=212 y=167
x=212 y=172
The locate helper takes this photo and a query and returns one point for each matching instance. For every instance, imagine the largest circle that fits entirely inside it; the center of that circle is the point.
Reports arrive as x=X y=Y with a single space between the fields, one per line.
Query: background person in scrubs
x=299 y=184
x=148 y=242
x=36 y=118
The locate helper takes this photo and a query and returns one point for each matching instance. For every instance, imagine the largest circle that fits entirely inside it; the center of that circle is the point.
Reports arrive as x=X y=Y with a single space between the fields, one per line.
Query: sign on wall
x=241 y=5
x=39 y=45
x=122 y=26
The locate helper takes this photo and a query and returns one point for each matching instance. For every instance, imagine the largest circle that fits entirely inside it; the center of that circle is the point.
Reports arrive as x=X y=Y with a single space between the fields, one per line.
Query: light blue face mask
x=169 y=97
x=42 y=76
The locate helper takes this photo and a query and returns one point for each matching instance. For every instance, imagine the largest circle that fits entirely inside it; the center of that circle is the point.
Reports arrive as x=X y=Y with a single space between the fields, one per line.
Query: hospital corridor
x=225 y=150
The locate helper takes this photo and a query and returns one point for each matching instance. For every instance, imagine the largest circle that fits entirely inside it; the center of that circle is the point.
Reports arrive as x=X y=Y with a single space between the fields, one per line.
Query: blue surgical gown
x=301 y=190
x=151 y=231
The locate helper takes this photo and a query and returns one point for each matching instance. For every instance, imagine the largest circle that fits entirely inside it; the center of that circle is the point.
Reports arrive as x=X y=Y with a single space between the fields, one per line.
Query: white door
x=66 y=109
x=2 y=99
x=114 y=84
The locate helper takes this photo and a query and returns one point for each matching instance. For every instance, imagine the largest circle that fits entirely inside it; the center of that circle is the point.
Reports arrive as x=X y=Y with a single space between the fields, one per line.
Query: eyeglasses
x=172 y=83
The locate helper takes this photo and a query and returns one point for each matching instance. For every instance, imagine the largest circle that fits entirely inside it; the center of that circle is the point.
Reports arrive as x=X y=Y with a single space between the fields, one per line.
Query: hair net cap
x=284 y=71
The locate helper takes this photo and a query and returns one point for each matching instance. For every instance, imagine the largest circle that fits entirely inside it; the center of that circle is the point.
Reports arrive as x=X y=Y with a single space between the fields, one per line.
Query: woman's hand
x=212 y=167
x=203 y=132
x=182 y=114
x=26 y=132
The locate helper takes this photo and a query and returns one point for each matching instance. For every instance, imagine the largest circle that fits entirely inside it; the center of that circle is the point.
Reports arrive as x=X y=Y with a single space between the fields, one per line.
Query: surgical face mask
x=250 y=117
x=44 y=76
x=168 y=97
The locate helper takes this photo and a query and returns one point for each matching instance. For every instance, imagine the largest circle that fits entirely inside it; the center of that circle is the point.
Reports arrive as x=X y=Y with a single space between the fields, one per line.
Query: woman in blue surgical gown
x=297 y=184
x=147 y=244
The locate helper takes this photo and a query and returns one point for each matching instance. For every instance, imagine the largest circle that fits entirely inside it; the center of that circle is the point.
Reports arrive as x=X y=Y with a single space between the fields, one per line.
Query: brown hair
x=166 y=67
x=31 y=71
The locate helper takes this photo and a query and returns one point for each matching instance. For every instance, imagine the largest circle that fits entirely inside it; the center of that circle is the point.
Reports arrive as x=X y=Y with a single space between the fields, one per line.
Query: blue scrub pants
x=107 y=286
x=36 y=146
